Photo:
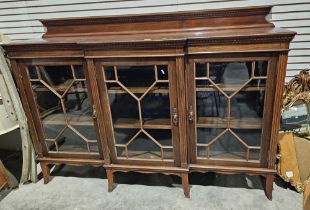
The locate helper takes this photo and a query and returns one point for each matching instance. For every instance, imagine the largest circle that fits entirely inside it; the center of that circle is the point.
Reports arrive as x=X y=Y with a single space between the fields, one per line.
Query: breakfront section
x=142 y=114
x=227 y=109
x=230 y=110
x=61 y=107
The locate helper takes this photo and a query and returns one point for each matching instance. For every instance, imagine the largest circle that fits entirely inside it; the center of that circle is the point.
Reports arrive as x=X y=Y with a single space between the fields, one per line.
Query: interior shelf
x=147 y=155
x=139 y=90
x=217 y=122
x=62 y=89
x=228 y=88
x=225 y=155
x=160 y=123
x=58 y=119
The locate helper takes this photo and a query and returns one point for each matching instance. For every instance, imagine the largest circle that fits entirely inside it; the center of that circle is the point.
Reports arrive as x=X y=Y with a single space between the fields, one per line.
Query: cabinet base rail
x=266 y=174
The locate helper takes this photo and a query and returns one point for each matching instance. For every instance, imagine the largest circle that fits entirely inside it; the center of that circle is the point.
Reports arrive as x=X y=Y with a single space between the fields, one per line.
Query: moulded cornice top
x=207 y=27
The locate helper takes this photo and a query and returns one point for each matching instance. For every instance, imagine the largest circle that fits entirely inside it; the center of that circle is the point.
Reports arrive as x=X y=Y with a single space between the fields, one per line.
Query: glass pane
x=142 y=147
x=202 y=152
x=254 y=154
x=32 y=72
x=250 y=136
x=227 y=147
x=229 y=109
x=123 y=136
x=261 y=68
x=119 y=113
x=143 y=129
x=155 y=106
x=63 y=102
x=70 y=141
x=211 y=105
x=57 y=77
x=109 y=73
x=136 y=76
x=229 y=76
x=247 y=105
x=201 y=70
x=163 y=137
x=168 y=153
x=162 y=72
x=205 y=135
x=79 y=72
x=120 y=151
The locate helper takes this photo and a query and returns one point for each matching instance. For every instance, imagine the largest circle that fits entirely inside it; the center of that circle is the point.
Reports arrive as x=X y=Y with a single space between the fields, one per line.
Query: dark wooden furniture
x=4 y=178
x=166 y=93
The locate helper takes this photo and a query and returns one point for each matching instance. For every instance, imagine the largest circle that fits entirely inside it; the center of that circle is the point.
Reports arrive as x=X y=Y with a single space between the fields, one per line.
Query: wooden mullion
x=191 y=101
x=253 y=70
x=218 y=136
x=105 y=119
x=93 y=79
x=115 y=73
x=133 y=138
x=73 y=72
x=182 y=113
x=228 y=112
x=239 y=139
x=173 y=101
x=156 y=73
x=50 y=88
x=38 y=72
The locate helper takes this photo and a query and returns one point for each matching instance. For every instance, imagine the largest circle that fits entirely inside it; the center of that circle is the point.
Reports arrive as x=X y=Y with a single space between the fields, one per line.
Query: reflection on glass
x=63 y=102
x=296 y=118
x=211 y=105
x=260 y=68
x=228 y=147
x=229 y=109
x=230 y=76
x=140 y=108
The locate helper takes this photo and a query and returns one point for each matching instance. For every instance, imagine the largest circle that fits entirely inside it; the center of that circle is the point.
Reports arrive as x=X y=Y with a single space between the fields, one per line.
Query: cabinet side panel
x=280 y=76
x=19 y=81
x=268 y=109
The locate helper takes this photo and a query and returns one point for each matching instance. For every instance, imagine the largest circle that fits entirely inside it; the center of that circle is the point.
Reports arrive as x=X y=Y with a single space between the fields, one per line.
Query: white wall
x=19 y=19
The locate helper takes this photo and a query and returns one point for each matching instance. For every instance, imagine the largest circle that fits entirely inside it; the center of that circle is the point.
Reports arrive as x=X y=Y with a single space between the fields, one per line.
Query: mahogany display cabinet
x=169 y=93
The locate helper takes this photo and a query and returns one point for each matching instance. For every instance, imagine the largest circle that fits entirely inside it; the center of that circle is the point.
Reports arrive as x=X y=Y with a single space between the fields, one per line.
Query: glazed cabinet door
x=60 y=99
x=228 y=115
x=142 y=116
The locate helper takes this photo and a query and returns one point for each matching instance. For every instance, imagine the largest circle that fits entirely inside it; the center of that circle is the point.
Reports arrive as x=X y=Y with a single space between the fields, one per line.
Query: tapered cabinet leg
x=269 y=186
x=110 y=176
x=185 y=184
x=46 y=172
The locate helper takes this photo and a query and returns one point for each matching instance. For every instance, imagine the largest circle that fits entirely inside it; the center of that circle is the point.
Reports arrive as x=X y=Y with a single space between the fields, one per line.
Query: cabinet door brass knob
x=94 y=115
x=190 y=114
x=175 y=117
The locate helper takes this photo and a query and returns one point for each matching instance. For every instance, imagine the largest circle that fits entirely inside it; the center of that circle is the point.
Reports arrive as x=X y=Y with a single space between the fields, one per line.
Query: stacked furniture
x=169 y=93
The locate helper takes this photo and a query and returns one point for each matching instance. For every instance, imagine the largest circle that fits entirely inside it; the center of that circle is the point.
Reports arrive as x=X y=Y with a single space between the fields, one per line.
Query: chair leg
x=185 y=184
x=269 y=179
x=110 y=177
x=46 y=172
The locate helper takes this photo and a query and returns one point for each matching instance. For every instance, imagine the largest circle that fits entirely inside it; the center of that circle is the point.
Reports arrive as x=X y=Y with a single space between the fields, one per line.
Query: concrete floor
x=86 y=188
